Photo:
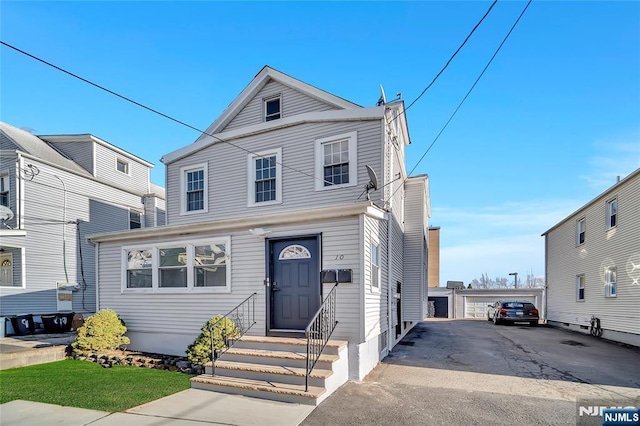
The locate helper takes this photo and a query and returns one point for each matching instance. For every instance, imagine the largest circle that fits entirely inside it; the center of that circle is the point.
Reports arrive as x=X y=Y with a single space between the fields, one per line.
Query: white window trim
x=7 y=184
x=127 y=163
x=373 y=288
x=608 y=207
x=141 y=213
x=264 y=106
x=251 y=177
x=183 y=188
x=23 y=271
x=9 y=256
x=582 y=220
x=353 y=160
x=580 y=278
x=608 y=284
x=155 y=262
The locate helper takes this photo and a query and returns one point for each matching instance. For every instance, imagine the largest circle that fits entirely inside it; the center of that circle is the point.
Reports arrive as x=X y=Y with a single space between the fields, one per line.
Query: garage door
x=441 y=306
x=476 y=307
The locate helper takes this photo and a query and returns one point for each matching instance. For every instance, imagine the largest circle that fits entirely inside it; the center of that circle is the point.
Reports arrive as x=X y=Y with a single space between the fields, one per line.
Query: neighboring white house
x=271 y=195
x=54 y=191
x=593 y=264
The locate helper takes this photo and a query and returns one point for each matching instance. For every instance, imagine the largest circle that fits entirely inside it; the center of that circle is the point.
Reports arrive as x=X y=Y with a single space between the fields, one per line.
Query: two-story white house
x=271 y=200
x=54 y=191
x=593 y=265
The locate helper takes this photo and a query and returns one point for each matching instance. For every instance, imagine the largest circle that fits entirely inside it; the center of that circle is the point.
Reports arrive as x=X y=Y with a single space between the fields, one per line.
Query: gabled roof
x=259 y=81
x=87 y=137
x=604 y=194
x=36 y=147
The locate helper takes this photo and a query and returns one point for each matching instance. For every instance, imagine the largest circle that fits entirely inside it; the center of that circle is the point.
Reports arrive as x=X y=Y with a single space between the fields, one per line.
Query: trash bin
x=23 y=324
x=50 y=323
x=64 y=321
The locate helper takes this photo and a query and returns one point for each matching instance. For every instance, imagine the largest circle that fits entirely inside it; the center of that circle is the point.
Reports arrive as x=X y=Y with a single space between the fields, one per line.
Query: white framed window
x=336 y=161
x=264 y=178
x=4 y=190
x=610 y=283
x=122 y=166
x=6 y=270
x=135 y=219
x=375 y=265
x=580 y=288
x=139 y=268
x=193 y=184
x=272 y=107
x=612 y=213
x=581 y=227
x=188 y=266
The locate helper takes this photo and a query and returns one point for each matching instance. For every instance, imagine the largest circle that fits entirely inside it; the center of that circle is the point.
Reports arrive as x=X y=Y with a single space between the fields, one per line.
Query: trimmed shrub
x=100 y=332
x=199 y=352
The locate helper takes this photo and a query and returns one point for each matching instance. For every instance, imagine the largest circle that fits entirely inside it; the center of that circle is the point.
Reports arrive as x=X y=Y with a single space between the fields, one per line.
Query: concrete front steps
x=274 y=368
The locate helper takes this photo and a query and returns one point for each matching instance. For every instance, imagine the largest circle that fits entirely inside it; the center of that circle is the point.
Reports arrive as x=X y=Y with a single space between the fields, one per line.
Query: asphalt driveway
x=470 y=372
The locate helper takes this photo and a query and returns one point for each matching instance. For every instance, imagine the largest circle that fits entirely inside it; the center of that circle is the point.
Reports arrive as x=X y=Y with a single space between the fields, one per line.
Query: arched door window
x=294 y=251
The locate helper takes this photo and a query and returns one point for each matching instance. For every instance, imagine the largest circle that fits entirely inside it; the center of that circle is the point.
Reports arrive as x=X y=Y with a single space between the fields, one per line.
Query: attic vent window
x=272 y=108
x=122 y=166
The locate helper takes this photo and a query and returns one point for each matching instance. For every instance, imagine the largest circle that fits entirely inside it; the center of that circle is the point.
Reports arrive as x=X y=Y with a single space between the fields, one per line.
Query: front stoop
x=274 y=368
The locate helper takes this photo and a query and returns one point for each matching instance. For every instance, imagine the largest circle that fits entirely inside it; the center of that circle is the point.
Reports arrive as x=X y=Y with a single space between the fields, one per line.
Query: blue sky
x=552 y=123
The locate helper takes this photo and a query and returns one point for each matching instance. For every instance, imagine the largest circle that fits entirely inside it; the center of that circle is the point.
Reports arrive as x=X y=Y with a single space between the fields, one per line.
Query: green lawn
x=87 y=385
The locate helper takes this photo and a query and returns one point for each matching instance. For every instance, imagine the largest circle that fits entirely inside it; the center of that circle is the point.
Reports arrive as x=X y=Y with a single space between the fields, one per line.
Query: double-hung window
x=4 y=190
x=580 y=287
x=210 y=265
x=612 y=213
x=135 y=219
x=173 y=267
x=272 y=108
x=581 y=227
x=194 y=187
x=264 y=178
x=336 y=161
x=139 y=268
x=610 y=284
x=375 y=266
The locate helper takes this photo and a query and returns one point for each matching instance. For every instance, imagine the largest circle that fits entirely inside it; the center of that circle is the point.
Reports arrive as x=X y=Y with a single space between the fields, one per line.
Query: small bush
x=100 y=332
x=199 y=352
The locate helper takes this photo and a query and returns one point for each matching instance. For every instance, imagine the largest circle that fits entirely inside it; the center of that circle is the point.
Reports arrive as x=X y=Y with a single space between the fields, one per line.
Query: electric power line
x=202 y=132
x=468 y=93
x=448 y=62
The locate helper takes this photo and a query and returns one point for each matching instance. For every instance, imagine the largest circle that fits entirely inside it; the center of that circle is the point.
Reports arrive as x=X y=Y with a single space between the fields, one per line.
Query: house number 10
x=339 y=257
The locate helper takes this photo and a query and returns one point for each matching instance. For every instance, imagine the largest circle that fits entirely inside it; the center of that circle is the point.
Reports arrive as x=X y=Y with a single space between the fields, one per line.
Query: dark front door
x=295 y=282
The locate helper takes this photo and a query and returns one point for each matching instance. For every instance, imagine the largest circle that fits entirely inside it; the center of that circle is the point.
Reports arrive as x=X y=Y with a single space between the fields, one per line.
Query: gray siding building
x=271 y=195
x=55 y=191
x=593 y=264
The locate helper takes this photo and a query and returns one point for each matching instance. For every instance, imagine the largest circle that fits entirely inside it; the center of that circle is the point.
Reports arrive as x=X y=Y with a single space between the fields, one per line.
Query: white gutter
x=388 y=217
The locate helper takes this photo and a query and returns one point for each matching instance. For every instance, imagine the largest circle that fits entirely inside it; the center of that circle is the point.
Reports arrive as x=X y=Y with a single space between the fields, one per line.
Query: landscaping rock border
x=141 y=359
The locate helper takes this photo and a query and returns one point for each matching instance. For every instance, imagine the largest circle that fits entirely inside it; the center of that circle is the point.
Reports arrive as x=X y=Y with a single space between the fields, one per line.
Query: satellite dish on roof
x=383 y=99
x=5 y=214
x=373 y=182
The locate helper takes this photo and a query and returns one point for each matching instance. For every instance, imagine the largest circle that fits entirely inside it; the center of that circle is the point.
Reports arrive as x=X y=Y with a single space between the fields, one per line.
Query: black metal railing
x=319 y=331
x=243 y=318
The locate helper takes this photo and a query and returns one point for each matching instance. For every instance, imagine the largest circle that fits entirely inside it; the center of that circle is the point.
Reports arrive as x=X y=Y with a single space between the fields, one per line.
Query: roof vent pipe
x=617 y=178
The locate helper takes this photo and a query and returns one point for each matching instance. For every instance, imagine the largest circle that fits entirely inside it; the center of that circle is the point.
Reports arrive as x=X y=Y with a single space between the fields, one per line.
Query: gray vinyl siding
x=184 y=313
x=375 y=299
x=227 y=171
x=80 y=152
x=138 y=178
x=619 y=247
x=101 y=208
x=293 y=103
x=8 y=169
x=414 y=243
x=397 y=264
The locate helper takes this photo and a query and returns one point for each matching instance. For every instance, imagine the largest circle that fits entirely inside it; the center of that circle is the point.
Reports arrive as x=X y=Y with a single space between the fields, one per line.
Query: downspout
x=388 y=217
x=546 y=275
x=64 y=227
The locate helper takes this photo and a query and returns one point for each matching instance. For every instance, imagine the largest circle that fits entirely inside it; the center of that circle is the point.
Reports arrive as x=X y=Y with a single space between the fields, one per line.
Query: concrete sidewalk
x=190 y=407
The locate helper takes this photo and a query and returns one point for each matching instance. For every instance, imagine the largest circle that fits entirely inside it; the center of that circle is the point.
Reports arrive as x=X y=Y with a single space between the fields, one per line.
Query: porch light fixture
x=260 y=232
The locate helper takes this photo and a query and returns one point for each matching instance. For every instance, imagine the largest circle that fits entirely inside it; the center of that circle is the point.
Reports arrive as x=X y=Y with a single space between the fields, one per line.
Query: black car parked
x=504 y=311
